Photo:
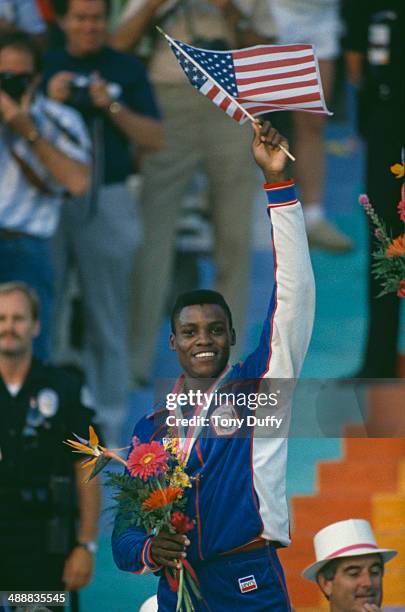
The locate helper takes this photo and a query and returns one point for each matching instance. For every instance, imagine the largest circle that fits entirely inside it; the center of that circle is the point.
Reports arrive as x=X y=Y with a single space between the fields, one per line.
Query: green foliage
x=389 y=270
x=130 y=493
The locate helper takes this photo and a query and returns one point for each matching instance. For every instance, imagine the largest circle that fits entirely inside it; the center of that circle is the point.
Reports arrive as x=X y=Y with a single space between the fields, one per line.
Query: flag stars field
x=248 y=82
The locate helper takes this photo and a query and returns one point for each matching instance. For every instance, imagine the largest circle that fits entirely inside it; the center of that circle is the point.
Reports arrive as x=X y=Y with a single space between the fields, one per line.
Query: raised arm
x=130 y=31
x=288 y=326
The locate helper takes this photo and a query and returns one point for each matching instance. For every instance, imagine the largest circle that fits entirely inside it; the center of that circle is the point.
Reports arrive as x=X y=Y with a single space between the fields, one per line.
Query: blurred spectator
x=55 y=36
x=212 y=24
x=40 y=482
x=194 y=239
x=44 y=150
x=315 y=22
x=22 y=15
x=112 y=92
x=375 y=53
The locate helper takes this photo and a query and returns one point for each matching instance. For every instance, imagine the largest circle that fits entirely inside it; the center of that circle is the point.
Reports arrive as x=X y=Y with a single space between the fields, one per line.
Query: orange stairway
x=368 y=482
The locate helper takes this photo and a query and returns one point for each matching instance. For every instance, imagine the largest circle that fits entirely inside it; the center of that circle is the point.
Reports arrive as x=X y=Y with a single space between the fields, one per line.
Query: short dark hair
x=328 y=571
x=30 y=294
x=23 y=42
x=61 y=7
x=199 y=296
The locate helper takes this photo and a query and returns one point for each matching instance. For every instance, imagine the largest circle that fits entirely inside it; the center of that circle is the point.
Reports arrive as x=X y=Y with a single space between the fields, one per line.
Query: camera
x=80 y=96
x=14 y=84
x=79 y=92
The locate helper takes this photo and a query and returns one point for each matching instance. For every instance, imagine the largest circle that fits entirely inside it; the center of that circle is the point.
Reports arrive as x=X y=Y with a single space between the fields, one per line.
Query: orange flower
x=397 y=247
x=161 y=498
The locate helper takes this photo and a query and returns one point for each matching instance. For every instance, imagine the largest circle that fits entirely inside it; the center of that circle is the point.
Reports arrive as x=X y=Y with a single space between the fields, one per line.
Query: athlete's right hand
x=167 y=549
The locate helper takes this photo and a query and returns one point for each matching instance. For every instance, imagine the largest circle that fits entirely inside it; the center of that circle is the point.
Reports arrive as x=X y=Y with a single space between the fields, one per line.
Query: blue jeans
x=28 y=259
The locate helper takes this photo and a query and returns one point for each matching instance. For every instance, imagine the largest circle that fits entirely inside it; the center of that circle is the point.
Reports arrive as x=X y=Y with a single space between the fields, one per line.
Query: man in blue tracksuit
x=238 y=497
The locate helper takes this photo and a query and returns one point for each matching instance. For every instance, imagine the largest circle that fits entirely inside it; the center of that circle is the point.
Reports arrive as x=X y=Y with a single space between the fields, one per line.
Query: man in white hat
x=349 y=566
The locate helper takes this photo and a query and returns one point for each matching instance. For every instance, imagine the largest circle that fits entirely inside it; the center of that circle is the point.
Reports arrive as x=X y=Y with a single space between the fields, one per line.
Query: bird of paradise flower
x=158 y=498
x=100 y=456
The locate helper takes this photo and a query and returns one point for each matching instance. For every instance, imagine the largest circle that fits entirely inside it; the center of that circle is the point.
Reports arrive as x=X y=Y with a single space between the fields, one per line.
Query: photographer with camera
x=113 y=94
x=213 y=24
x=44 y=152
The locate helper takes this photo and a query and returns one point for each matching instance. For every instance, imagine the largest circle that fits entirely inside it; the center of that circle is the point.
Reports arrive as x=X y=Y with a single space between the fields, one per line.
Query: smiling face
x=85 y=26
x=357 y=581
x=202 y=339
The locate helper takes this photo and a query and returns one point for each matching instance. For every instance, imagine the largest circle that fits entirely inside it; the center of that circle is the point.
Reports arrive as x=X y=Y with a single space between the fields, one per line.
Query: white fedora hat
x=344 y=539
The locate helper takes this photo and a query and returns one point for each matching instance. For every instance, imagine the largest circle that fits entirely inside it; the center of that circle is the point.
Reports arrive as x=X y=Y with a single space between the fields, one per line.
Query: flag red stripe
x=259 y=90
x=213 y=92
x=238 y=114
x=266 y=50
x=225 y=103
x=283 y=75
x=259 y=109
x=274 y=64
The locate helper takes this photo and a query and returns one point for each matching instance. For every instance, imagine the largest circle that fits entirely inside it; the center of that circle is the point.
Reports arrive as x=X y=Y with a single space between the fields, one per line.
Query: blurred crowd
x=139 y=175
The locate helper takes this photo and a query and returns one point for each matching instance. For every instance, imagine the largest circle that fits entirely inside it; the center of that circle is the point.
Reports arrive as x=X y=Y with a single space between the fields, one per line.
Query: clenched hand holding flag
x=249 y=82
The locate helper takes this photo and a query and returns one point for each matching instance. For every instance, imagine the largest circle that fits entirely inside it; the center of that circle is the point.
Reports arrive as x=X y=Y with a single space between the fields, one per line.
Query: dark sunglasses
x=15 y=84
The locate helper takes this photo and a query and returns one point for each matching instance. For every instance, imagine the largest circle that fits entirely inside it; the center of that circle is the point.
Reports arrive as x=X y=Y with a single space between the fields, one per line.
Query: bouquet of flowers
x=389 y=256
x=150 y=494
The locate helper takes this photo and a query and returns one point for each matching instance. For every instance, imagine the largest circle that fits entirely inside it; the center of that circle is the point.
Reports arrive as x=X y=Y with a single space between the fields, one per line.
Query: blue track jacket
x=239 y=489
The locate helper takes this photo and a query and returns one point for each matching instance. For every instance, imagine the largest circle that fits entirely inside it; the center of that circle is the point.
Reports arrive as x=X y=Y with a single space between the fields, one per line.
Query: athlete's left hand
x=371 y=608
x=78 y=569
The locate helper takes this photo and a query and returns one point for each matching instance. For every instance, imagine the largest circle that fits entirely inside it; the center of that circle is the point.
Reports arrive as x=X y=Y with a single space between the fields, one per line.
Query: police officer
x=374 y=56
x=40 y=483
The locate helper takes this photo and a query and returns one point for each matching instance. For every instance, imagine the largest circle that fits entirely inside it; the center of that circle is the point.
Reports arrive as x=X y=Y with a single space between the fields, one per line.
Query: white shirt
x=22 y=206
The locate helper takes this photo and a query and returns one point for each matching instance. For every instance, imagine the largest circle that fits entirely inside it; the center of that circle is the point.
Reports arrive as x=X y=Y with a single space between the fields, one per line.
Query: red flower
x=181 y=522
x=401 y=290
x=401 y=210
x=147 y=460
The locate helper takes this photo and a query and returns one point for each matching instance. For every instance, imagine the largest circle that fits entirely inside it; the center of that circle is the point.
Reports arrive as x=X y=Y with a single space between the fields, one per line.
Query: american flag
x=261 y=79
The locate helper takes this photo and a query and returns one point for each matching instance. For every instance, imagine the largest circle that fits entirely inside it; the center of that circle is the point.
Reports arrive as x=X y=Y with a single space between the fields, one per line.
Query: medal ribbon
x=187 y=441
